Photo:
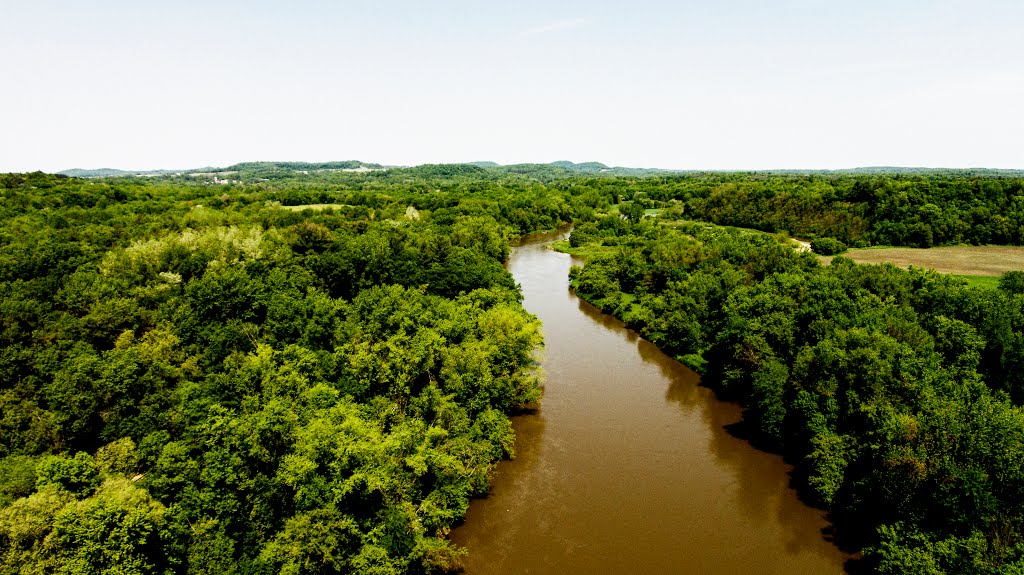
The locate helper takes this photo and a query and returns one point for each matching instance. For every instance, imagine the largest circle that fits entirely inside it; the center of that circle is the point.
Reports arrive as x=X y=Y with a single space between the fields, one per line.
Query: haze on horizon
x=737 y=84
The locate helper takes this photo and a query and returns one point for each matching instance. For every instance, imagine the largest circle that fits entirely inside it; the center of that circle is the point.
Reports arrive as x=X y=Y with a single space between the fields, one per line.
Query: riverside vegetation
x=194 y=378
x=896 y=393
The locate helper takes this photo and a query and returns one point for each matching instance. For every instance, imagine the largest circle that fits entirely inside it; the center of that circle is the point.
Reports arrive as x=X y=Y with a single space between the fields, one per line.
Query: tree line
x=913 y=209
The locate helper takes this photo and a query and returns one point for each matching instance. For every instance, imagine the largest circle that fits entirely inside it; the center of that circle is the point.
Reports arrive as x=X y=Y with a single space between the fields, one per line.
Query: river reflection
x=627 y=466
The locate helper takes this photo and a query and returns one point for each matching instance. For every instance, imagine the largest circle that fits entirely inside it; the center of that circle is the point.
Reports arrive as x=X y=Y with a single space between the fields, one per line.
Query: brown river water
x=627 y=466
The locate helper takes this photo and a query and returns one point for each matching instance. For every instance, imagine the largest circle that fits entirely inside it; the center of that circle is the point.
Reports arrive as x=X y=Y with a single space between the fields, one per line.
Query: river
x=627 y=467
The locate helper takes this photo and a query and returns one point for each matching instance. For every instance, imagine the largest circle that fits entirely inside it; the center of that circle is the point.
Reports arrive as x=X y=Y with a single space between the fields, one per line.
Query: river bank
x=627 y=466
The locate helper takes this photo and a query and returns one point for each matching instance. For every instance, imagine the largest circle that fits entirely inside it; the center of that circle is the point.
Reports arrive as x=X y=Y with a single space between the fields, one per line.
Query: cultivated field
x=960 y=260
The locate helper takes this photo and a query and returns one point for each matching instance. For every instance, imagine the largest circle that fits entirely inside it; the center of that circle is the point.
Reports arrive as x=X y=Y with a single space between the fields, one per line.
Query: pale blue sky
x=707 y=85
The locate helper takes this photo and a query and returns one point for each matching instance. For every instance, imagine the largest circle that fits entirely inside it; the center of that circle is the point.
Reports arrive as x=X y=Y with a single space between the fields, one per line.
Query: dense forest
x=912 y=210
x=310 y=368
x=903 y=209
x=194 y=379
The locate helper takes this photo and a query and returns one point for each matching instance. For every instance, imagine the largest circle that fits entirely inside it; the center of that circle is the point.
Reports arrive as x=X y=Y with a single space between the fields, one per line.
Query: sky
x=730 y=84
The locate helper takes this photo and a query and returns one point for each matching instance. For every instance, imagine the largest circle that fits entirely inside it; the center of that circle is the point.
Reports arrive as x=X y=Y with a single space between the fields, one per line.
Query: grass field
x=314 y=207
x=987 y=282
x=585 y=251
x=989 y=261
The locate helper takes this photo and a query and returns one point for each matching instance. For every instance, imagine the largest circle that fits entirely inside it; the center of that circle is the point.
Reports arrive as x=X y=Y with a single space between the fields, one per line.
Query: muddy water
x=627 y=468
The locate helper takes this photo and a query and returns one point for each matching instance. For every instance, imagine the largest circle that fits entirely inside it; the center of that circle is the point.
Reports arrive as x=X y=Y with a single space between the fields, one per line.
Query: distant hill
x=111 y=173
x=581 y=167
x=247 y=168
x=900 y=170
x=98 y=173
x=288 y=170
x=301 y=166
x=564 y=166
x=444 y=170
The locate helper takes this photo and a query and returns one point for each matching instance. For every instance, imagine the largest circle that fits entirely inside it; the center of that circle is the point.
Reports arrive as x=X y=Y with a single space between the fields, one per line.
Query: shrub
x=827 y=246
x=1012 y=282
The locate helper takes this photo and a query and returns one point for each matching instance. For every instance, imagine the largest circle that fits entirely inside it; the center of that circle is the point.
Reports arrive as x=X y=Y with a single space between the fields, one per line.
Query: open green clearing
x=316 y=207
x=984 y=282
x=585 y=252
